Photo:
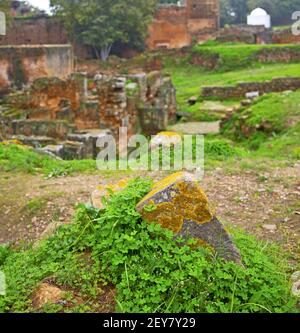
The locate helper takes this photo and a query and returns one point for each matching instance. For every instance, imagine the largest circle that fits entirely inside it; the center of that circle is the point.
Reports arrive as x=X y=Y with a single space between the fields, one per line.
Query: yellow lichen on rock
x=183 y=199
x=169 y=134
x=178 y=203
x=11 y=142
x=161 y=185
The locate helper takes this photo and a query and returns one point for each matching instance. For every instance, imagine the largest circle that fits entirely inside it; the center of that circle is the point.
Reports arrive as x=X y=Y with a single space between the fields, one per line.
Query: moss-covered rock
x=178 y=203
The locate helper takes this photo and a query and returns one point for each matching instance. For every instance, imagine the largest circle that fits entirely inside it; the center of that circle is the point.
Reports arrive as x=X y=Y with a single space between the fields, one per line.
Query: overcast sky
x=43 y=4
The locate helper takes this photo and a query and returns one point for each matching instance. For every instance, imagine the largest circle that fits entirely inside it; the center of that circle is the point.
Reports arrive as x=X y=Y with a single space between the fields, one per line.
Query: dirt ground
x=266 y=205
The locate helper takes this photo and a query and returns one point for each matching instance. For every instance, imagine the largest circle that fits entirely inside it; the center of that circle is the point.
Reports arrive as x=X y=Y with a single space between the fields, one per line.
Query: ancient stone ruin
x=66 y=117
x=20 y=65
x=174 y=26
x=178 y=25
x=243 y=89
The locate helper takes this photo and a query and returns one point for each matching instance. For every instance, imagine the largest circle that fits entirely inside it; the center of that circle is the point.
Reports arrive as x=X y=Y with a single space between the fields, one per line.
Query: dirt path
x=266 y=205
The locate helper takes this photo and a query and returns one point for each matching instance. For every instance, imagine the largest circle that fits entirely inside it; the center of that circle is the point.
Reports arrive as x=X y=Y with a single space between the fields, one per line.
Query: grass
x=16 y=158
x=238 y=65
x=271 y=126
x=235 y=55
x=189 y=80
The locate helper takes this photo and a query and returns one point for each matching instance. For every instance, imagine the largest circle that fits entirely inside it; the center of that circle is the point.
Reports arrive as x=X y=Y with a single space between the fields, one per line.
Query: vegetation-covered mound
x=233 y=56
x=271 y=124
x=149 y=271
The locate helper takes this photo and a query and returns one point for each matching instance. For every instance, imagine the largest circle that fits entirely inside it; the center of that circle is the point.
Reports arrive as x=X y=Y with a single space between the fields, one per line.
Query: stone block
x=179 y=204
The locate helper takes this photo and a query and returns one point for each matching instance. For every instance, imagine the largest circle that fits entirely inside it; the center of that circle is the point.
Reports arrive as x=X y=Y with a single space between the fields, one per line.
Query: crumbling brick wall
x=35 y=31
x=285 y=37
x=21 y=65
x=240 y=90
x=177 y=26
x=257 y=35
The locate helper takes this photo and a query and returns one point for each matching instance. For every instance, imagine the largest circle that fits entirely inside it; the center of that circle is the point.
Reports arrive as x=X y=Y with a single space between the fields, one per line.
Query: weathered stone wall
x=107 y=102
x=177 y=26
x=257 y=35
x=173 y=27
x=35 y=31
x=282 y=54
x=145 y=101
x=285 y=37
x=212 y=61
x=241 y=89
x=21 y=65
x=245 y=34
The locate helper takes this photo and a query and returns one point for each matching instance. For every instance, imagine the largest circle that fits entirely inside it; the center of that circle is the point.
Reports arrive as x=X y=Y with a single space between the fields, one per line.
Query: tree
x=101 y=23
x=69 y=12
x=233 y=11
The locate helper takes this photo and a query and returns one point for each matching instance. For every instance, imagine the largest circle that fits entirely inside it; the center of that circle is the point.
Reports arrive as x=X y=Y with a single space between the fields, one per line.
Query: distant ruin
x=179 y=25
x=66 y=117
x=174 y=26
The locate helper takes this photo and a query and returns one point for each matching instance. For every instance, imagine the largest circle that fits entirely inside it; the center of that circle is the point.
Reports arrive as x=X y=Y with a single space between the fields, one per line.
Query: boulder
x=179 y=204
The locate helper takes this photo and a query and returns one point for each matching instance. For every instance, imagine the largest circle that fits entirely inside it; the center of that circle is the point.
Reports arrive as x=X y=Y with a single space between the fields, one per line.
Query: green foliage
x=151 y=272
x=271 y=125
x=4 y=253
x=24 y=159
x=102 y=24
x=189 y=79
x=220 y=149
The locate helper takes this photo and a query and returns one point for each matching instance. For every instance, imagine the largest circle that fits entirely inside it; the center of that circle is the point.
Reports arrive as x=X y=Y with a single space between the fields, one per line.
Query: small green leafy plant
x=150 y=271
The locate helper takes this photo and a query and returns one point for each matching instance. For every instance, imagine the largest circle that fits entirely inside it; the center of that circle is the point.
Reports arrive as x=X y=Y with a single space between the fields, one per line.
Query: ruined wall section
x=107 y=102
x=257 y=35
x=169 y=28
x=178 y=26
x=34 y=31
x=240 y=90
x=22 y=65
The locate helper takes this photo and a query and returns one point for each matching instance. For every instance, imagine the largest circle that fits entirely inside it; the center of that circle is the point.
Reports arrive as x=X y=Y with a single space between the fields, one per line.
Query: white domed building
x=259 y=17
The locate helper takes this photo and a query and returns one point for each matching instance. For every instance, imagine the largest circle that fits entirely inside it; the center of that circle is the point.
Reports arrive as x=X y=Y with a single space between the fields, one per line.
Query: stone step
x=66 y=150
x=35 y=141
x=57 y=129
x=201 y=128
x=86 y=135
